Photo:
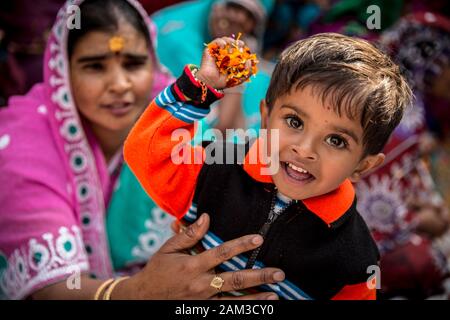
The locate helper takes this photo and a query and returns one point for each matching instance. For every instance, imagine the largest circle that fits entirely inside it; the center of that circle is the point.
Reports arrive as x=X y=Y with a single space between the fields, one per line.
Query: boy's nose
x=305 y=152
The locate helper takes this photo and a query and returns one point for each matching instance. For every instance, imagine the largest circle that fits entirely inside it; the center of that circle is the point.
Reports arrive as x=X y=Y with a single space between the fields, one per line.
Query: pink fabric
x=54 y=183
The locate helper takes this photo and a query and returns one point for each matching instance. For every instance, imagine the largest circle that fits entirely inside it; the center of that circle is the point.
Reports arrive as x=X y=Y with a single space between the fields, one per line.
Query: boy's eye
x=294 y=122
x=337 y=142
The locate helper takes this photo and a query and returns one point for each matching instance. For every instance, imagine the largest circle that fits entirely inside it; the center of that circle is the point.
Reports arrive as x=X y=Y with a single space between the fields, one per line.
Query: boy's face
x=318 y=149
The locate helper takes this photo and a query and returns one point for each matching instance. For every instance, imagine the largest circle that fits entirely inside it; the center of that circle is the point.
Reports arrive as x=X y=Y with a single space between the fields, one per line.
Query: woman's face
x=111 y=89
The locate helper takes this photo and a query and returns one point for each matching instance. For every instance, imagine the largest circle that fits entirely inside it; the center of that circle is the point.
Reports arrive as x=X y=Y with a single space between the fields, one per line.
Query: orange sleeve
x=359 y=291
x=156 y=145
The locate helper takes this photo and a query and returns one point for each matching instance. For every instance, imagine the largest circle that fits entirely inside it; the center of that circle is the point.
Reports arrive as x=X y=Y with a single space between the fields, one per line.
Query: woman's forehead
x=126 y=39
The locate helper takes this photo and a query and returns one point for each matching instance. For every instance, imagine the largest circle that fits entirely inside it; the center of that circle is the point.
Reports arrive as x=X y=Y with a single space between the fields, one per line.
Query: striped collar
x=329 y=207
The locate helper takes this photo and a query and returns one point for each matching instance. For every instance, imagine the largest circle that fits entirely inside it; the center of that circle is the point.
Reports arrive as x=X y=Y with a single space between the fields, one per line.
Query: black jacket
x=319 y=258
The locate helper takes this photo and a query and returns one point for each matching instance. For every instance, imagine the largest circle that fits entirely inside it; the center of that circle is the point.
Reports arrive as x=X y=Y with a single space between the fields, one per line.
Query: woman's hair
x=104 y=16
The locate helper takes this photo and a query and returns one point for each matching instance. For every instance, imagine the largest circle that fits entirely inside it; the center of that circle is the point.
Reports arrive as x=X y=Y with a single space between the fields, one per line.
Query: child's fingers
x=222 y=42
x=229 y=40
x=234 y=42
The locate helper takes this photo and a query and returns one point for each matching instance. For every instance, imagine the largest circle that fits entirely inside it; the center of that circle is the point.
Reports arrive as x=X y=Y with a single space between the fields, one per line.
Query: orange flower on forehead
x=231 y=61
x=116 y=44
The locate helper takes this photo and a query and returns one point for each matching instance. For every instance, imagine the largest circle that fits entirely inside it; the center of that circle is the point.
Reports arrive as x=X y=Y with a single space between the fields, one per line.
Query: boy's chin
x=291 y=192
x=300 y=195
x=295 y=196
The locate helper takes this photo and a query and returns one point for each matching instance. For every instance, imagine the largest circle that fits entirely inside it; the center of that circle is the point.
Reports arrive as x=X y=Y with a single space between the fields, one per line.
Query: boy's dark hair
x=360 y=81
x=105 y=16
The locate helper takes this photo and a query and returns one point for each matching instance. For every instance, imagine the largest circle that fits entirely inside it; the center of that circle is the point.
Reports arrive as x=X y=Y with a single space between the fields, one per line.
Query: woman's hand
x=209 y=72
x=172 y=273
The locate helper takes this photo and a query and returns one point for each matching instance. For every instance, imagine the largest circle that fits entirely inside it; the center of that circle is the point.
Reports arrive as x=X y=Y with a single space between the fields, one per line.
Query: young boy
x=333 y=102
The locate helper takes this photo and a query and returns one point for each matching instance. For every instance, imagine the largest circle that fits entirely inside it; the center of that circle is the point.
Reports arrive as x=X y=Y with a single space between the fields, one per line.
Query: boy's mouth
x=296 y=173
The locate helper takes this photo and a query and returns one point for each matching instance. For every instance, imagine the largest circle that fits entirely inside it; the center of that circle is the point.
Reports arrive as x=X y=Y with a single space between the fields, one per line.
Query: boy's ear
x=367 y=164
x=264 y=112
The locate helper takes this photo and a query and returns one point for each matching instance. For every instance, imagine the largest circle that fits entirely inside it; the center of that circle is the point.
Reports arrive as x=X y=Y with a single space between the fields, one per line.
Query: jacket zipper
x=265 y=229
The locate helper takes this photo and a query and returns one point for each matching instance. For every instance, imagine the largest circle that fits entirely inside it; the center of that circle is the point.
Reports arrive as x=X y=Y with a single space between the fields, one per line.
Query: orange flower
x=231 y=62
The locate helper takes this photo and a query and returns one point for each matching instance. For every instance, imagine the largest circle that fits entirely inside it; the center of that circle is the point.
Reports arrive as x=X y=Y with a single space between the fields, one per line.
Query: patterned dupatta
x=55 y=182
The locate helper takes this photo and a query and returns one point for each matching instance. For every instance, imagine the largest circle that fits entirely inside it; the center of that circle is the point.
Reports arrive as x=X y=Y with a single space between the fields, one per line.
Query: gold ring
x=217 y=282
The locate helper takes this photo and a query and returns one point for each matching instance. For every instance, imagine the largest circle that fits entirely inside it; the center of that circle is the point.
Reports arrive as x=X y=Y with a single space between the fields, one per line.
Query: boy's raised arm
x=167 y=167
x=158 y=148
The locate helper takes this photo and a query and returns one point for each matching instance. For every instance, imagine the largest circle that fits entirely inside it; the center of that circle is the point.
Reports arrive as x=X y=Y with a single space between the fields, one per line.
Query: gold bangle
x=101 y=287
x=107 y=295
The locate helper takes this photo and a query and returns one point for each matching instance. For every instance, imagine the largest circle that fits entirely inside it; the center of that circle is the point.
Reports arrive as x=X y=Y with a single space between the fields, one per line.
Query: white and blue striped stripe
x=191 y=215
x=284 y=289
x=180 y=110
x=281 y=202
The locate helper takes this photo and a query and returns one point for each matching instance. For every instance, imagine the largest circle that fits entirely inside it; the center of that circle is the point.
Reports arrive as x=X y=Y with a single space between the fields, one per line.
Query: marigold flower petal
x=232 y=60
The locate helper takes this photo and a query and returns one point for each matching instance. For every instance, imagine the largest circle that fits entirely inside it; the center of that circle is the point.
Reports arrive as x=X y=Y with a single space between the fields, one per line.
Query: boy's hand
x=209 y=73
